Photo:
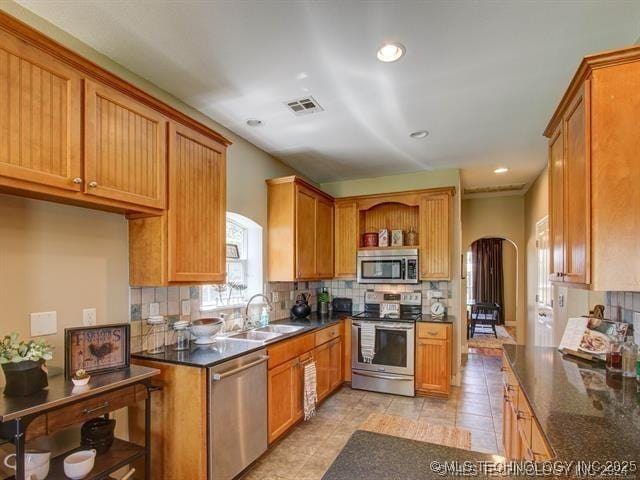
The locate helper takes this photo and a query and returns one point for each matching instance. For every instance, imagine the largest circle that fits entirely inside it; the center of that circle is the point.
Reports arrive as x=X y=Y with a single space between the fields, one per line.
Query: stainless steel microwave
x=388 y=265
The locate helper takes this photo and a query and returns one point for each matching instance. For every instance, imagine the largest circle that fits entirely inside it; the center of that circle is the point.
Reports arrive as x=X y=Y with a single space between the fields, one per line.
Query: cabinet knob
x=77 y=180
x=93 y=184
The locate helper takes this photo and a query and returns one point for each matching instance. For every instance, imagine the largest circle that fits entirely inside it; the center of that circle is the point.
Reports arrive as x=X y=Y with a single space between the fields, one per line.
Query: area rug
x=420 y=430
x=487 y=340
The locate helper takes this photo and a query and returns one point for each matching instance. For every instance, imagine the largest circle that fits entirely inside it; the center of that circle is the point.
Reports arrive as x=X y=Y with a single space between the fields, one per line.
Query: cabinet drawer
x=433 y=330
x=92 y=407
x=284 y=351
x=329 y=333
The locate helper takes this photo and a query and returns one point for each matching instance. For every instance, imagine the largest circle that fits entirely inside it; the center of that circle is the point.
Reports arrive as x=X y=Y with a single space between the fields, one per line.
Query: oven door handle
x=382 y=377
x=386 y=326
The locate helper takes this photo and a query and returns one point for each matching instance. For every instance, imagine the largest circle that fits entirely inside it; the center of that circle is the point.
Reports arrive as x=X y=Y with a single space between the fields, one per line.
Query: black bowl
x=97 y=433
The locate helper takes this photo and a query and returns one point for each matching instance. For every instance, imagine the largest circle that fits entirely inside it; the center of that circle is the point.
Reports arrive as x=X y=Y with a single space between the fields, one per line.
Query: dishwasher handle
x=216 y=377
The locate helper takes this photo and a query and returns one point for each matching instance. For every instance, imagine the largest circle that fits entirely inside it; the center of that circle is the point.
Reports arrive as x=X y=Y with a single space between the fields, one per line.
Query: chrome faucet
x=245 y=325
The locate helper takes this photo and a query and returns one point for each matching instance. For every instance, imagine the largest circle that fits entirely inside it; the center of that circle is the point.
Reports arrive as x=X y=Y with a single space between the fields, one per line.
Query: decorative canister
x=397 y=238
x=370 y=239
x=383 y=237
x=412 y=237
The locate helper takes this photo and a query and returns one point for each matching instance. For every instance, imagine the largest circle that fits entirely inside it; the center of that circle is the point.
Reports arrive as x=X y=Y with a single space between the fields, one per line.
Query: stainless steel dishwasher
x=237 y=414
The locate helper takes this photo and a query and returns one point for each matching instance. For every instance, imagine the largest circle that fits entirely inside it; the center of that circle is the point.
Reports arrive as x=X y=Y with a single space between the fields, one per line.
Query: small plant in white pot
x=80 y=378
x=23 y=364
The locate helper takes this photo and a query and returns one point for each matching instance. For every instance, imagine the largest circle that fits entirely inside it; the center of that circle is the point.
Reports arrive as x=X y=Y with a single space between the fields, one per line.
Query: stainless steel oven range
x=391 y=318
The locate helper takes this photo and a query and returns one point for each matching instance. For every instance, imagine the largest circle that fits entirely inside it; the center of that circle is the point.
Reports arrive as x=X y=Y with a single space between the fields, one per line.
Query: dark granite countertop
x=429 y=319
x=373 y=456
x=585 y=412
x=204 y=356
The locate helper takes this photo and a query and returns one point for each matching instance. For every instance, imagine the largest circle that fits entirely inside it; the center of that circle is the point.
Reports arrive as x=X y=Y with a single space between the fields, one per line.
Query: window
x=244 y=274
x=470 y=299
x=543 y=293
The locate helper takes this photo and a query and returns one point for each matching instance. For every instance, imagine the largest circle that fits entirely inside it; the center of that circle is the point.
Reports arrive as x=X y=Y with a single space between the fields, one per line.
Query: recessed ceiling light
x=254 y=122
x=390 y=52
x=419 y=134
x=501 y=170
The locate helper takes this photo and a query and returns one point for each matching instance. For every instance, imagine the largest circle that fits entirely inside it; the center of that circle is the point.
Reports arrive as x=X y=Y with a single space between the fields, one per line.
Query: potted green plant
x=23 y=364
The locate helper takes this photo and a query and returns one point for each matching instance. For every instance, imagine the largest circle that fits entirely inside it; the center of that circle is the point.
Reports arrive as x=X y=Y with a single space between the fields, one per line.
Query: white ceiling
x=482 y=77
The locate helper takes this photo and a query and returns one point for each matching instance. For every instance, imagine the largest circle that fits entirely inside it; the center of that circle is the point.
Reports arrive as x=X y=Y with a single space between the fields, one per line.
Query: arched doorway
x=492 y=291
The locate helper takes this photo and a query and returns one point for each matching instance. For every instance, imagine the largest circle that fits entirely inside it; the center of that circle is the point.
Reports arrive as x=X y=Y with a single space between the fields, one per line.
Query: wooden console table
x=63 y=405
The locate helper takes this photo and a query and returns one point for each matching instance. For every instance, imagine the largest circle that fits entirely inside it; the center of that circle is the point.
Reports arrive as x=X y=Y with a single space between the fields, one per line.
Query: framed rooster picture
x=97 y=349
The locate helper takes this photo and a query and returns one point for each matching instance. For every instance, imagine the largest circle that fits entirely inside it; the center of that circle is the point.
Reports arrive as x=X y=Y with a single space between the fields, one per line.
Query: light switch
x=89 y=317
x=44 y=323
x=154 y=309
x=275 y=298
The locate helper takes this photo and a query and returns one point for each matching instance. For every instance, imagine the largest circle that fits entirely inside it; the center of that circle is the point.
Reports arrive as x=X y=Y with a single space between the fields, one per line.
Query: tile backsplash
x=623 y=306
x=183 y=303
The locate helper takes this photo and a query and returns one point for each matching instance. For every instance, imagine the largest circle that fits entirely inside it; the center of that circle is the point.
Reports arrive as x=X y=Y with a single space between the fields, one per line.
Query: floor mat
x=488 y=340
x=420 y=430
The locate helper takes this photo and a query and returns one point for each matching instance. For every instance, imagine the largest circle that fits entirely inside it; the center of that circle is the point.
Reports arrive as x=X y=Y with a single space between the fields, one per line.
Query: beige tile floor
x=308 y=451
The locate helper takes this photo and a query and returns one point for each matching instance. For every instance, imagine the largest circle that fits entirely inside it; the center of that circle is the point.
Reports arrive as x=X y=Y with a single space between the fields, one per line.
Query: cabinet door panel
x=435 y=237
x=324 y=238
x=577 y=193
x=125 y=148
x=556 y=204
x=335 y=362
x=322 y=356
x=346 y=239
x=305 y=233
x=40 y=115
x=433 y=366
x=282 y=382
x=197 y=207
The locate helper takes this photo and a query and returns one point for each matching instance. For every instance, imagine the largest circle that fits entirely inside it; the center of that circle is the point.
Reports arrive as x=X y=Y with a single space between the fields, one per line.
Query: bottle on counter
x=264 y=317
x=614 y=355
x=629 y=357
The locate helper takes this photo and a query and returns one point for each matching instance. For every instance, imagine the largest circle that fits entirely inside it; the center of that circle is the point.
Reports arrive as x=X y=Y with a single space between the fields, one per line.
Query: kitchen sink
x=256 y=336
x=279 y=329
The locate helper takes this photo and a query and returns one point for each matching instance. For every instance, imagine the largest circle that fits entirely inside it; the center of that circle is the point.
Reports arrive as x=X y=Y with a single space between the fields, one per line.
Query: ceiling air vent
x=304 y=106
x=514 y=187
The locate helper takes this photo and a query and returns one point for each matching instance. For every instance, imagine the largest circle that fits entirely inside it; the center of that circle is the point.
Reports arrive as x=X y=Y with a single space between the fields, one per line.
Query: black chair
x=484 y=314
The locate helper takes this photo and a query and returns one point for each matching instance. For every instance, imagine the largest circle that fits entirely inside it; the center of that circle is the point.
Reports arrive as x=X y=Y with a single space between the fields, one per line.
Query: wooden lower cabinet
x=522 y=436
x=283 y=396
x=286 y=376
x=433 y=359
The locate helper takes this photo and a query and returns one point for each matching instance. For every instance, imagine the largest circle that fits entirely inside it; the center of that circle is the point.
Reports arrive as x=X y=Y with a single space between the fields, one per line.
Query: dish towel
x=367 y=341
x=310 y=394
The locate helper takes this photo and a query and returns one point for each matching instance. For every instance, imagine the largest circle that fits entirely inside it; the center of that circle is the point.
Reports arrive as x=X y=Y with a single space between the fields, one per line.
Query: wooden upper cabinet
x=125 y=148
x=594 y=137
x=40 y=117
x=305 y=227
x=300 y=231
x=324 y=237
x=197 y=207
x=577 y=191
x=435 y=236
x=346 y=238
x=187 y=244
x=556 y=204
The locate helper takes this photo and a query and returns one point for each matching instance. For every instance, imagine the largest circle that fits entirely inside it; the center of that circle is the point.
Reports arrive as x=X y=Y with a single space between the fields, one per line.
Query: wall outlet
x=154 y=309
x=89 y=317
x=44 y=323
x=292 y=295
x=275 y=297
x=186 y=307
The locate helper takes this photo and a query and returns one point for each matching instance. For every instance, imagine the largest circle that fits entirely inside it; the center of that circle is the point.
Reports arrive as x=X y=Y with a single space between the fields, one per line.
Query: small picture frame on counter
x=97 y=349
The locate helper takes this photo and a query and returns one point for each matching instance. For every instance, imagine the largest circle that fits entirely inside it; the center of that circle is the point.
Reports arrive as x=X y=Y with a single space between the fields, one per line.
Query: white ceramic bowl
x=205 y=329
x=79 y=464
